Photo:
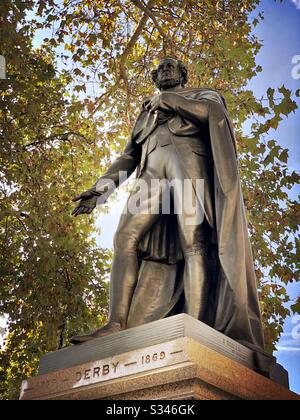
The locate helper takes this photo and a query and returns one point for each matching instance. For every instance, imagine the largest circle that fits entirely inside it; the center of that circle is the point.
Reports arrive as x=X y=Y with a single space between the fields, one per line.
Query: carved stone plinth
x=174 y=358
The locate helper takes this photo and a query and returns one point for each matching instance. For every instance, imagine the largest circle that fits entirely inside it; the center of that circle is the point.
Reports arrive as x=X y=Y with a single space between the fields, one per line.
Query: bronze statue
x=162 y=265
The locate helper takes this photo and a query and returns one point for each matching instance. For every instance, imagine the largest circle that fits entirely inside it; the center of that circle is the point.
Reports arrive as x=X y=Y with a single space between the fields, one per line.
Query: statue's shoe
x=110 y=328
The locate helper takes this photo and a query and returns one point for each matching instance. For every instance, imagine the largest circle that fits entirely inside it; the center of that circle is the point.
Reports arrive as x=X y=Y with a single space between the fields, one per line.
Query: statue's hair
x=183 y=72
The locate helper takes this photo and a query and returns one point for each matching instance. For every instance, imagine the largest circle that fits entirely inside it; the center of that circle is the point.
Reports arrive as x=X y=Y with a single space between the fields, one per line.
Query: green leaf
x=284 y=156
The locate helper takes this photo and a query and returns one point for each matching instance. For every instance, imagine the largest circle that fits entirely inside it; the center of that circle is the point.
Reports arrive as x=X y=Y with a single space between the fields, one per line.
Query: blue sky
x=280 y=33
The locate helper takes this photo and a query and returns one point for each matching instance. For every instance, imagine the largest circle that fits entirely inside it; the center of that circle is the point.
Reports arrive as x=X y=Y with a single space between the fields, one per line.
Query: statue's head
x=169 y=73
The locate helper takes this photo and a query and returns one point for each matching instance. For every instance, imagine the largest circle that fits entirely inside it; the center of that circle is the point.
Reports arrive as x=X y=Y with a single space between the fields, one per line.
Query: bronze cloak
x=234 y=306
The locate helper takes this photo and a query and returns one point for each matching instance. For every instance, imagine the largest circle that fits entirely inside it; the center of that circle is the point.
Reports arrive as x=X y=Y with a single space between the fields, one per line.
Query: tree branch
x=63 y=137
x=138 y=30
x=126 y=52
x=151 y=15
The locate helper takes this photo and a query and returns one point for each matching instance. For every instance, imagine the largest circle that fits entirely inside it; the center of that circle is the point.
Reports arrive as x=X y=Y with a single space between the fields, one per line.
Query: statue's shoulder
x=204 y=93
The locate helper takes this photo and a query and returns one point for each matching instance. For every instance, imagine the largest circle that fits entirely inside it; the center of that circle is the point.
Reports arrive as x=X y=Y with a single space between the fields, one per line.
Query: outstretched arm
x=127 y=162
x=106 y=184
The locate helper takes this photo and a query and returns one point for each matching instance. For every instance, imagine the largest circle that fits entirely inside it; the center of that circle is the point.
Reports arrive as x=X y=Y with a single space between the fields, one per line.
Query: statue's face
x=168 y=73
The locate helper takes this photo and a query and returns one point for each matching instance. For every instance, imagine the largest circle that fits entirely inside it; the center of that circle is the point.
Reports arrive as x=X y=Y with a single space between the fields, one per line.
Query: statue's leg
x=196 y=275
x=125 y=267
x=135 y=221
x=194 y=232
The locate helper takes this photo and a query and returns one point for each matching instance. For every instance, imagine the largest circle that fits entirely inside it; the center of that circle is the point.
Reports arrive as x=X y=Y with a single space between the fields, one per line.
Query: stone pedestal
x=175 y=358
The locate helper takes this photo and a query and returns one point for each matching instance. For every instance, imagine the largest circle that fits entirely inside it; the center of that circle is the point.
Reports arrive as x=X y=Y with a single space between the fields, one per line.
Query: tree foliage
x=52 y=273
x=67 y=105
